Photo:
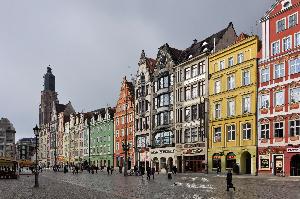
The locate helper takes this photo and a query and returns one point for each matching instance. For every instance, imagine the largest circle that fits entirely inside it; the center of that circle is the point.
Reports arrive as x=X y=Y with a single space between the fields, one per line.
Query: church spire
x=49 y=80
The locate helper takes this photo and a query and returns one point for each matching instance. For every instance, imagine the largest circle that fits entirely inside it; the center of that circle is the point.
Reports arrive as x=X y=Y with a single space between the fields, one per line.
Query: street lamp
x=36 y=131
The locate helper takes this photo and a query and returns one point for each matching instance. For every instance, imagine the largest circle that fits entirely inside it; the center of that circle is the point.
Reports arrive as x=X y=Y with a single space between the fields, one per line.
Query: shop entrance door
x=278 y=164
x=295 y=165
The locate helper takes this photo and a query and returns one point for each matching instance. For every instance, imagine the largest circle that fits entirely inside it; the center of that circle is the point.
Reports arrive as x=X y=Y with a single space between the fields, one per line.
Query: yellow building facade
x=233 y=80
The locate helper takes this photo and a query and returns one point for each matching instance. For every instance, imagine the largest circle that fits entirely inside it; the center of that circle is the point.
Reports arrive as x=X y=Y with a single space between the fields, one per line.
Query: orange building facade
x=124 y=125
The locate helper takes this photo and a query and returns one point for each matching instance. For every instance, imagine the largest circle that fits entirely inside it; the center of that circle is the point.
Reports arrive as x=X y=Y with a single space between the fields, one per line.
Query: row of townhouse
x=225 y=102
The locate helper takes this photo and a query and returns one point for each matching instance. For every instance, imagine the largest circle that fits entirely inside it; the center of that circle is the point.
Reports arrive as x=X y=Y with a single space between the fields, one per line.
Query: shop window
x=230 y=160
x=216 y=160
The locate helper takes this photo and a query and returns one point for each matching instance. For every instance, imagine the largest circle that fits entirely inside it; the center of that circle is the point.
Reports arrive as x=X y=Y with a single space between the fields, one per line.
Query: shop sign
x=192 y=151
x=293 y=150
x=163 y=151
x=264 y=161
x=194 y=145
x=229 y=157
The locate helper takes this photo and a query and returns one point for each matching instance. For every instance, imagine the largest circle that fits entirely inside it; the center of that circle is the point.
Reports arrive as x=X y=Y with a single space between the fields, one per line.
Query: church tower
x=48 y=96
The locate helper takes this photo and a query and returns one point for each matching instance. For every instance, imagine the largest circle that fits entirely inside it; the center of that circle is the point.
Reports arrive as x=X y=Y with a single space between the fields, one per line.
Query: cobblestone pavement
x=187 y=186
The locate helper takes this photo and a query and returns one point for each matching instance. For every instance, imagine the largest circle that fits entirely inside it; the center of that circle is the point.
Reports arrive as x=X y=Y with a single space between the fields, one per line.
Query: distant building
x=25 y=149
x=7 y=139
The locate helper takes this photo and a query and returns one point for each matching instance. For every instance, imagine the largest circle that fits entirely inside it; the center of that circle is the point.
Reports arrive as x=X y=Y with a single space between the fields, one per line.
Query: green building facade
x=102 y=131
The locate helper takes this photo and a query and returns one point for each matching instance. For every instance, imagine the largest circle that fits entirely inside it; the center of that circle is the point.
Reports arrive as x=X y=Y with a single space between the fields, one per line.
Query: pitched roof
x=60 y=108
x=150 y=63
x=206 y=45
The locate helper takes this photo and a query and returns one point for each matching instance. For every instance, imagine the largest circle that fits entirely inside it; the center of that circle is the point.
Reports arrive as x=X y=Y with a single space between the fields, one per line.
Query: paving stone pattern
x=187 y=186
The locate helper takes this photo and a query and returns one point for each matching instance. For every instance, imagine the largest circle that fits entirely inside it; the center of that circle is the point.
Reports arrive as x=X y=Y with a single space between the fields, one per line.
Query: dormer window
x=286 y=4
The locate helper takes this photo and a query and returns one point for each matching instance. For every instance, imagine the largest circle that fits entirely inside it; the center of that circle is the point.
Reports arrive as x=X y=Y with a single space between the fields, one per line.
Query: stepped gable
x=206 y=45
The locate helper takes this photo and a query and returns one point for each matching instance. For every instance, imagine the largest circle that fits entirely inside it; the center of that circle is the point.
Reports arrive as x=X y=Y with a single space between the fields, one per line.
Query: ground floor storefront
x=163 y=159
x=102 y=160
x=143 y=158
x=191 y=157
x=241 y=160
x=284 y=160
x=119 y=159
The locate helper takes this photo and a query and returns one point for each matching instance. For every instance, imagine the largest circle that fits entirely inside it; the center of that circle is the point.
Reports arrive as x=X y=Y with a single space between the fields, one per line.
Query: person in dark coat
x=111 y=170
x=108 y=170
x=142 y=171
x=153 y=172
x=148 y=173
x=229 y=181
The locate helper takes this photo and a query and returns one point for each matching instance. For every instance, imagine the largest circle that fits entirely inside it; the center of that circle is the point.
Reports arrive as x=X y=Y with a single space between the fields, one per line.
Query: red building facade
x=123 y=125
x=279 y=91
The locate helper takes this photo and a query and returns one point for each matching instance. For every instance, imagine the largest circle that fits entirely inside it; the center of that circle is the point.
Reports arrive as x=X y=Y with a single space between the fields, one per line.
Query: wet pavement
x=188 y=186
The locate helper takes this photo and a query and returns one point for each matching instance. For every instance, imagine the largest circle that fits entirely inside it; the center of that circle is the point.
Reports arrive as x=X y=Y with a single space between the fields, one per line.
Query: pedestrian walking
x=120 y=169
x=153 y=172
x=148 y=173
x=142 y=171
x=108 y=170
x=111 y=170
x=96 y=168
x=229 y=181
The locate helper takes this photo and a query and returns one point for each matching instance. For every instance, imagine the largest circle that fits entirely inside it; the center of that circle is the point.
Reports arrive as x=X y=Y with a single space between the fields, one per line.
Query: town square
x=142 y=99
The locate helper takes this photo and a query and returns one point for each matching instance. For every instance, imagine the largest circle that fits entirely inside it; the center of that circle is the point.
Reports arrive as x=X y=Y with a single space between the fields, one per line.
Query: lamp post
x=36 y=131
x=89 y=127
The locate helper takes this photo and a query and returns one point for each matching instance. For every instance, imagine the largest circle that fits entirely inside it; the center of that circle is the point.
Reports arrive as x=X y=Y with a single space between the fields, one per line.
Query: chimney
x=195 y=41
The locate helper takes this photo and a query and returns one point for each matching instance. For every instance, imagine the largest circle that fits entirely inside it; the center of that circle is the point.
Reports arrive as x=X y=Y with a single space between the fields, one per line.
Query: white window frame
x=294 y=127
x=246 y=105
x=284 y=24
x=290 y=43
x=291 y=95
x=282 y=127
x=229 y=111
x=239 y=56
x=265 y=77
x=222 y=64
x=243 y=77
x=231 y=132
x=246 y=135
x=217 y=89
x=282 y=68
x=265 y=131
x=217 y=133
x=262 y=102
x=288 y=18
x=278 y=49
x=275 y=98
x=297 y=61
x=231 y=82
x=230 y=61
x=296 y=42
x=217 y=111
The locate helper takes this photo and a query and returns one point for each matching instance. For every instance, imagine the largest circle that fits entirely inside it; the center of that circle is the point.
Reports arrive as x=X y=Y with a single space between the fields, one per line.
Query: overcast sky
x=92 y=44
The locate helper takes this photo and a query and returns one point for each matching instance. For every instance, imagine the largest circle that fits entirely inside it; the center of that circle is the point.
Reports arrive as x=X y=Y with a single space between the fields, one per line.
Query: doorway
x=295 y=165
x=246 y=162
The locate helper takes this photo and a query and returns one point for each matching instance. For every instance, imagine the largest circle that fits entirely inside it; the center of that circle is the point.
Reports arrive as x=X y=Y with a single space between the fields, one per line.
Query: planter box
x=278 y=139
x=294 y=138
x=279 y=108
x=294 y=106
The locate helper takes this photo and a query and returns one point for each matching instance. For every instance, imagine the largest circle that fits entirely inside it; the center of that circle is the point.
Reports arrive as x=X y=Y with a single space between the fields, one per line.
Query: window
x=246 y=131
x=293 y=20
x=264 y=131
x=217 y=110
x=122 y=121
x=264 y=101
x=276 y=48
x=230 y=61
x=217 y=134
x=295 y=95
x=122 y=132
x=166 y=81
x=240 y=58
x=278 y=129
x=279 y=70
x=202 y=88
x=279 y=98
x=194 y=91
x=294 y=128
x=194 y=112
x=231 y=132
x=194 y=71
x=246 y=104
x=295 y=66
x=117 y=133
x=246 y=77
x=222 y=65
x=217 y=86
x=231 y=107
x=280 y=25
x=194 y=135
x=264 y=75
x=117 y=121
x=287 y=43
x=117 y=146
x=230 y=82
x=187 y=114
x=188 y=93
x=187 y=136
x=188 y=73
x=201 y=67
x=297 y=39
